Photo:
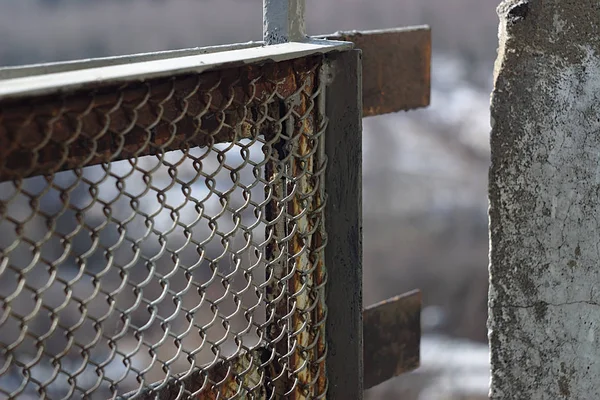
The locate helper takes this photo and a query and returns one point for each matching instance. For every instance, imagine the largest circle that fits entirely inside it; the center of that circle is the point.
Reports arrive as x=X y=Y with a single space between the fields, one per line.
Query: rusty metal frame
x=67 y=109
x=32 y=155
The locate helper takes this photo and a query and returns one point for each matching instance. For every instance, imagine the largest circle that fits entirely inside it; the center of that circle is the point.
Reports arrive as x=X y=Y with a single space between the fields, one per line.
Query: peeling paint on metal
x=283 y=21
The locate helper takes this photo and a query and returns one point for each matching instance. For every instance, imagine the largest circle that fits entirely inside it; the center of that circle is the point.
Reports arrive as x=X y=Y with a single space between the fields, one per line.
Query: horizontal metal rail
x=22 y=71
x=60 y=82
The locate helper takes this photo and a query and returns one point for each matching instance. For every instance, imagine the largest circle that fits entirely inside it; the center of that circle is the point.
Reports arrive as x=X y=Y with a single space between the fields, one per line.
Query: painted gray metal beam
x=70 y=80
x=23 y=71
x=283 y=21
x=343 y=256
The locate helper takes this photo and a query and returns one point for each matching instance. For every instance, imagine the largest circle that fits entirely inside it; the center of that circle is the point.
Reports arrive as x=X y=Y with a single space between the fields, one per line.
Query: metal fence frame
x=285 y=40
x=396 y=78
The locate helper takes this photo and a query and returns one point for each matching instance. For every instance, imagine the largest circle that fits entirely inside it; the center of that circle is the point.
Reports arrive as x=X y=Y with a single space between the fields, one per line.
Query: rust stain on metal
x=396 y=68
x=301 y=282
x=276 y=256
x=319 y=242
x=240 y=377
x=294 y=247
x=54 y=133
x=392 y=336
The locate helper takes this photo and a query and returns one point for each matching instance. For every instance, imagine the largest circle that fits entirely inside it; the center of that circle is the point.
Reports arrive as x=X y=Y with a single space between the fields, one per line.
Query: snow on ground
x=459 y=367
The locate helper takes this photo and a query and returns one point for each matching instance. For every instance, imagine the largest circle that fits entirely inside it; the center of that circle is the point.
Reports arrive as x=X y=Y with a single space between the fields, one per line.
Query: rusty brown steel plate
x=392 y=338
x=396 y=68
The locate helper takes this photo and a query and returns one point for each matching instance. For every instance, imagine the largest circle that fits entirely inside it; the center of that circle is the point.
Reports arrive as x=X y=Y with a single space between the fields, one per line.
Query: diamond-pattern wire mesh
x=165 y=239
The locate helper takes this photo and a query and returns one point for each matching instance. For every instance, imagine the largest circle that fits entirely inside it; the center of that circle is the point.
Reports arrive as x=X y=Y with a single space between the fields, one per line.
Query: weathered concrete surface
x=544 y=323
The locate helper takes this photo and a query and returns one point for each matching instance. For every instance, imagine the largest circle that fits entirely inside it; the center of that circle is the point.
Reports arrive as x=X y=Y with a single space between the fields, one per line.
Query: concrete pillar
x=544 y=306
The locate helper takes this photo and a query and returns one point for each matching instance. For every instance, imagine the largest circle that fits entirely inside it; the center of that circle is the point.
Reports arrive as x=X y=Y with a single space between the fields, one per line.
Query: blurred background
x=425 y=171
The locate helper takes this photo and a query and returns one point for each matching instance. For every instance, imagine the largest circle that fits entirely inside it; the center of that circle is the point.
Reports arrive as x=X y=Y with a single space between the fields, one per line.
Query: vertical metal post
x=343 y=222
x=283 y=21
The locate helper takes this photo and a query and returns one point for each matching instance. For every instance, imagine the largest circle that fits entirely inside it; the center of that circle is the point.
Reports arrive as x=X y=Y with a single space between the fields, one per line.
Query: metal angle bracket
x=392 y=337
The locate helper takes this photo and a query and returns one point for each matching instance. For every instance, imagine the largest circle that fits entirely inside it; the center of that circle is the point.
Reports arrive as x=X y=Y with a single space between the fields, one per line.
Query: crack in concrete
x=568 y=303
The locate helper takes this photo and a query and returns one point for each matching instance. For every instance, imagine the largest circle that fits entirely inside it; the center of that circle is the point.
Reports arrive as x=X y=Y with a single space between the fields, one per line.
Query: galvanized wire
x=165 y=239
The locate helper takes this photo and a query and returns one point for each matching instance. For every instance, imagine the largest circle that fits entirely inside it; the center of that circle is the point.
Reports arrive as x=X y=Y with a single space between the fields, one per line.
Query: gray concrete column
x=544 y=305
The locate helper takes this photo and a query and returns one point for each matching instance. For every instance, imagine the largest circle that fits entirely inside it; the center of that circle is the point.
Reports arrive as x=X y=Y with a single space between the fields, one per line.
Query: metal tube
x=283 y=21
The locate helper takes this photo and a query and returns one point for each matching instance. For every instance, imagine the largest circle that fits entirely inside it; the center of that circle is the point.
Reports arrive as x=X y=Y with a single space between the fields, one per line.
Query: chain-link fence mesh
x=164 y=239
